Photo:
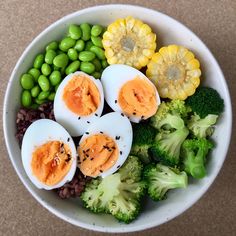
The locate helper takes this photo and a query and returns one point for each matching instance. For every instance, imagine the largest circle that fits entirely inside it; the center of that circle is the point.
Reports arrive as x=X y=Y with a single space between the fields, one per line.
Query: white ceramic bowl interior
x=168 y=31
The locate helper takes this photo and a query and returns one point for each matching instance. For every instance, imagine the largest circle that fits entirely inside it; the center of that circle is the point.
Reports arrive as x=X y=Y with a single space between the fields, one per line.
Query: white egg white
x=74 y=124
x=37 y=134
x=118 y=127
x=113 y=78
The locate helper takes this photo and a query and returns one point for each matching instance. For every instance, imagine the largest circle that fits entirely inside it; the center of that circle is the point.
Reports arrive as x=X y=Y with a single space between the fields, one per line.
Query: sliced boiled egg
x=129 y=91
x=78 y=102
x=105 y=145
x=48 y=154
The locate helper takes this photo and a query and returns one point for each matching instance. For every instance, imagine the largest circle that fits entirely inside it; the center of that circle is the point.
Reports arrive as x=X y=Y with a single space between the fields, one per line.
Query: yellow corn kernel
x=175 y=72
x=129 y=41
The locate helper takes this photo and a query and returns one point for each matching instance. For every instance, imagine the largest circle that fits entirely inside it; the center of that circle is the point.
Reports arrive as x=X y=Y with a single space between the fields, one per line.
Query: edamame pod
x=67 y=43
x=27 y=81
x=74 y=66
x=44 y=83
x=98 y=52
x=39 y=60
x=86 y=31
x=86 y=56
x=61 y=60
x=75 y=31
x=26 y=98
x=87 y=67
x=96 y=30
x=49 y=56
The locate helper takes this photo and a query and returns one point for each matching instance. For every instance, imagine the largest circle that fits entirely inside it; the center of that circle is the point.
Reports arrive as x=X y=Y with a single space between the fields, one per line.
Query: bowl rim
x=55 y=211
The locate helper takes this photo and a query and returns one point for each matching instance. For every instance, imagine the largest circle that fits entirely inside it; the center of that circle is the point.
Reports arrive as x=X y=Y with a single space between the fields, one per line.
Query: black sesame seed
x=87 y=155
x=109 y=150
x=101 y=171
x=101 y=132
x=89 y=198
x=122 y=114
x=86 y=132
x=91 y=158
x=115 y=101
x=68 y=139
x=142 y=117
x=79 y=162
x=84 y=151
x=62 y=144
x=117 y=137
x=113 y=148
x=68 y=154
x=78 y=118
x=88 y=122
x=96 y=114
x=84 y=159
x=118 y=166
x=134 y=113
x=88 y=150
x=120 y=152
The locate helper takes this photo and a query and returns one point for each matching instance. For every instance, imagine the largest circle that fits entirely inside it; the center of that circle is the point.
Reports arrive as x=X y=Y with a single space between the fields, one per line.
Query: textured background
x=213 y=21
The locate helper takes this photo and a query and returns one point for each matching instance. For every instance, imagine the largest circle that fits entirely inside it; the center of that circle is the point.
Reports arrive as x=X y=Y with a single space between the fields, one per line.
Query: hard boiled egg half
x=78 y=102
x=48 y=154
x=105 y=145
x=129 y=91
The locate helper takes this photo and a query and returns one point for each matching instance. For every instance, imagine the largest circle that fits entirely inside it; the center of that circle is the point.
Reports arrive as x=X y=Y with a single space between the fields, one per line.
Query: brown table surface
x=213 y=21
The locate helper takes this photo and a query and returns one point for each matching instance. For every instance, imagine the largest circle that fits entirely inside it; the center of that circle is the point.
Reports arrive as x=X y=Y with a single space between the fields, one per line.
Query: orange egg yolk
x=81 y=95
x=51 y=162
x=97 y=153
x=138 y=97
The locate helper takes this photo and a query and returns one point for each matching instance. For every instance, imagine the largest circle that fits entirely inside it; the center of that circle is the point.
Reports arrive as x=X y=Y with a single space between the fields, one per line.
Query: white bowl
x=169 y=31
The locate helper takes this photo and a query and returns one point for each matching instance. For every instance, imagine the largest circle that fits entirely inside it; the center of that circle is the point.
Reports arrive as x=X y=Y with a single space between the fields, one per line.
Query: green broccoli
x=194 y=152
x=161 y=178
x=206 y=101
x=177 y=108
x=118 y=194
x=143 y=137
x=167 y=146
x=202 y=128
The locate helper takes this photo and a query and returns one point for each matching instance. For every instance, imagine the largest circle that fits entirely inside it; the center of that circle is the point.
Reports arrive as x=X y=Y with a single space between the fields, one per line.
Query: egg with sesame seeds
x=129 y=91
x=48 y=154
x=105 y=145
x=78 y=102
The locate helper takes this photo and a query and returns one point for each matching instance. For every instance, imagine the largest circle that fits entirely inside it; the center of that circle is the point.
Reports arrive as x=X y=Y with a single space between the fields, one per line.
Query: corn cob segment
x=175 y=72
x=129 y=41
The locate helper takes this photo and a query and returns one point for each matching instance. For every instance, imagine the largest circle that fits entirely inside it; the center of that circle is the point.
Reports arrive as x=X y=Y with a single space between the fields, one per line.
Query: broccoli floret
x=143 y=137
x=161 y=178
x=142 y=152
x=118 y=194
x=206 y=101
x=194 y=152
x=143 y=134
x=167 y=146
x=177 y=108
x=202 y=128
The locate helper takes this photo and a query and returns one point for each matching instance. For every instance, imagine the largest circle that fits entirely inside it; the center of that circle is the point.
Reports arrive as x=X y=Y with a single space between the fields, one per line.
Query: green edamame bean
x=35 y=91
x=55 y=78
x=67 y=43
x=104 y=64
x=49 y=56
x=26 y=98
x=43 y=95
x=44 y=83
x=46 y=69
x=72 y=54
x=79 y=46
x=38 y=61
x=74 y=66
x=56 y=87
x=88 y=45
x=34 y=106
x=51 y=96
x=39 y=102
x=75 y=31
x=86 y=56
x=87 y=67
x=35 y=73
x=52 y=46
x=96 y=75
x=27 y=81
x=98 y=52
x=96 y=30
x=97 y=41
x=61 y=60
x=86 y=31
x=97 y=64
